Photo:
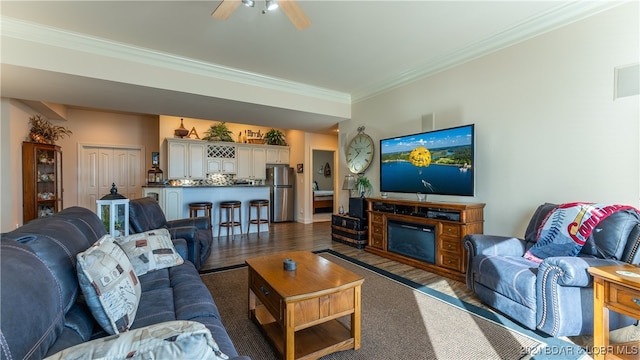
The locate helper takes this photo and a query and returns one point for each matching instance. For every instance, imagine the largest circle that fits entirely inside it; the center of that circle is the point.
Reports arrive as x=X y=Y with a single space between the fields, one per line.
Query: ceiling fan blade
x=225 y=9
x=295 y=13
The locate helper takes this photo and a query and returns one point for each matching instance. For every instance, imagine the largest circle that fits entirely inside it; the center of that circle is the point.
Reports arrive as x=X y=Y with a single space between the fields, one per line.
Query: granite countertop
x=200 y=186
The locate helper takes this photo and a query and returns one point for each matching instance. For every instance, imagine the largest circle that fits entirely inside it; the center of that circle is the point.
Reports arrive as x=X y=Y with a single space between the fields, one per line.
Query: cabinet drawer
x=450 y=244
x=377 y=217
x=377 y=229
x=450 y=230
x=624 y=298
x=267 y=296
x=312 y=310
x=376 y=241
x=450 y=260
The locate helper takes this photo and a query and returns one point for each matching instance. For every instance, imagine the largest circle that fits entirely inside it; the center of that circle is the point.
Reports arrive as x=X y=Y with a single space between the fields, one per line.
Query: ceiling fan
x=290 y=7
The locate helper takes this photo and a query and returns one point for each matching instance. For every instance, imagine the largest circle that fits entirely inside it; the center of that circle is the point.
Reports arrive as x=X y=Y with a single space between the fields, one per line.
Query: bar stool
x=258 y=204
x=205 y=206
x=229 y=207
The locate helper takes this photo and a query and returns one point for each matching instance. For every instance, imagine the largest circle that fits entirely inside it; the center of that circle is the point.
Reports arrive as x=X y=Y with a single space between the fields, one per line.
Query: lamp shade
x=349 y=182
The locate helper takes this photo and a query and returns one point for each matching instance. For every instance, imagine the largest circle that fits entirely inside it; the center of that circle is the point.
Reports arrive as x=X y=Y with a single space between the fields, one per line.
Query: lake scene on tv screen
x=436 y=162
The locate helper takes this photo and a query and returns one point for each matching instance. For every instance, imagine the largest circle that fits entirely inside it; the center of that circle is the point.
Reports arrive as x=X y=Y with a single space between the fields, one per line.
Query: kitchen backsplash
x=215 y=179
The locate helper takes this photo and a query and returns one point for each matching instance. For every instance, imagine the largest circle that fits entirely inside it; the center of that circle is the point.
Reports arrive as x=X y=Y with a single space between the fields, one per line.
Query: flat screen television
x=433 y=162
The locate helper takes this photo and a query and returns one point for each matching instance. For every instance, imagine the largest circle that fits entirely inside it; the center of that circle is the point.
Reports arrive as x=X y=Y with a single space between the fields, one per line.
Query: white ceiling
x=353 y=49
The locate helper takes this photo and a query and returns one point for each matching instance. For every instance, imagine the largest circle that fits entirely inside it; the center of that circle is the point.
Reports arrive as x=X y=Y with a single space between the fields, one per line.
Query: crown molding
x=26 y=31
x=555 y=18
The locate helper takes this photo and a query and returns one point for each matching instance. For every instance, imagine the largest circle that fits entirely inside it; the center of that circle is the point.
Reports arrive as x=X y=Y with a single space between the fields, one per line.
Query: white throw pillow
x=149 y=251
x=167 y=340
x=110 y=286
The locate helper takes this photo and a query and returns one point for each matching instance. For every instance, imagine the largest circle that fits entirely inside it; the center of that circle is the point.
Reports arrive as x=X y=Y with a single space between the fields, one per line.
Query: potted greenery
x=274 y=137
x=43 y=131
x=218 y=132
x=364 y=186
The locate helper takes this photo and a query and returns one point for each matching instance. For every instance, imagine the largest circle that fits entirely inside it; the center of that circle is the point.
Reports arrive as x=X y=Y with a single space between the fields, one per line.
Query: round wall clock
x=360 y=152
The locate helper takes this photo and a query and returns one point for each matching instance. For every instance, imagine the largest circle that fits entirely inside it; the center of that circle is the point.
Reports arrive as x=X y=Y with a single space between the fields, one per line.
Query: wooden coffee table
x=298 y=310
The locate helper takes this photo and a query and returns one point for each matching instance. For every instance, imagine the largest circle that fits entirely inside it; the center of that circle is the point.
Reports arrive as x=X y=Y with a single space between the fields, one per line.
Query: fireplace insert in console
x=417 y=241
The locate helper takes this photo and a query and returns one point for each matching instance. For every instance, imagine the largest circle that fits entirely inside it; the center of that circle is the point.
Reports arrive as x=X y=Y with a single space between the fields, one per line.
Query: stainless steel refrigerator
x=281 y=180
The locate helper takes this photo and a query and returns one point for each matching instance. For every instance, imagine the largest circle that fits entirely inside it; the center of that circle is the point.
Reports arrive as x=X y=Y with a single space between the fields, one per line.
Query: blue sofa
x=41 y=305
x=555 y=296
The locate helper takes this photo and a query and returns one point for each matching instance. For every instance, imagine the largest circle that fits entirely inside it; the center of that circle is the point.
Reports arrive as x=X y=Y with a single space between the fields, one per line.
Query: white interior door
x=101 y=166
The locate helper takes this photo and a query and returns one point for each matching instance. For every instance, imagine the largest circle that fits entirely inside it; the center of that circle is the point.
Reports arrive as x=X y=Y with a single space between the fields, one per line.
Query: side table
x=615 y=288
x=349 y=230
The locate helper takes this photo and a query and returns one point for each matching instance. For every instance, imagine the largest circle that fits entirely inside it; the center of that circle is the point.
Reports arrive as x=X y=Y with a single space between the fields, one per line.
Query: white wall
x=547 y=126
x=15 y=128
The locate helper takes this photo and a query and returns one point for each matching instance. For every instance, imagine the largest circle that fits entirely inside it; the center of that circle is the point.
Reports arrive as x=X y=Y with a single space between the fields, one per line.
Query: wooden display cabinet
x=41 y=180
x=447 y=222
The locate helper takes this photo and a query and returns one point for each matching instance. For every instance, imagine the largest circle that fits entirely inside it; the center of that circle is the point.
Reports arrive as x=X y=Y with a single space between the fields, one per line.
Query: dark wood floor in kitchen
x=291 y=236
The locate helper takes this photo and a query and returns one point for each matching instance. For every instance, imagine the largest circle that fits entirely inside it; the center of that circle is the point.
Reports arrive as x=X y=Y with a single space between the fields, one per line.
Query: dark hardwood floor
x=291 y=236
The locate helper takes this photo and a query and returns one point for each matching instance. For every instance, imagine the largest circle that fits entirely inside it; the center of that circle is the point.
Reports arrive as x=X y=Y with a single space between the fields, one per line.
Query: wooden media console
x=435 y=228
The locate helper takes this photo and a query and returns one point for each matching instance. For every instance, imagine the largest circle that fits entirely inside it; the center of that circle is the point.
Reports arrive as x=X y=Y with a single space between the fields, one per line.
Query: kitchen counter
x=202 y=186
x=175 y=200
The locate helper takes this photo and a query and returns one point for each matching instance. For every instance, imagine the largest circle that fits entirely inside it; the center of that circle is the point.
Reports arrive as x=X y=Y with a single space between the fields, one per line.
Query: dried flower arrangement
x=43 y=131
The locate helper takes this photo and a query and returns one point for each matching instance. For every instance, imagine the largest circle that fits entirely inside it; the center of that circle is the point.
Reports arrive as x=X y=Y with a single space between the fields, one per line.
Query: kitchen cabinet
x=41 y=180
x=169 y=199
x=156 y=193
x=252 y=162
x=173 y=203
x=186 y=159
x=221 y=158
x=277 y=154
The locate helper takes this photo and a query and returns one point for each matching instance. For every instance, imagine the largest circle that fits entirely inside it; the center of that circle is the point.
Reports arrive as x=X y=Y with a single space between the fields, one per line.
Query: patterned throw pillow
x=149 y=251
x=110 y=286
x=167 y=340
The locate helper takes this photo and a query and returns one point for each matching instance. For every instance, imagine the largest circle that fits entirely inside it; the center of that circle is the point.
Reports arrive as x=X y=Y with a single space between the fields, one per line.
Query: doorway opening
x=323 y=191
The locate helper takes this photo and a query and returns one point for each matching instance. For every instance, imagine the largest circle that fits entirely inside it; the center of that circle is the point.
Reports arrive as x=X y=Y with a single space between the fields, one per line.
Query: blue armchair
x=555 y=296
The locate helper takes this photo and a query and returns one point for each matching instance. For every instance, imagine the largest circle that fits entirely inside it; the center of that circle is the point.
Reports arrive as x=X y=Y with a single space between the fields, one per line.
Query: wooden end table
x=615 y=288
x=298 y=310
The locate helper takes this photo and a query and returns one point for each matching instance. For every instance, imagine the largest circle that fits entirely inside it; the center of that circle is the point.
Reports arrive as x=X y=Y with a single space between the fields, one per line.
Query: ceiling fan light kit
x=271 y=5
x=290 y=8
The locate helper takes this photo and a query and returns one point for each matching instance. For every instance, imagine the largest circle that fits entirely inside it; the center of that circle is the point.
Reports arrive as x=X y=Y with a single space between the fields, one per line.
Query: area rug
x=400 y=320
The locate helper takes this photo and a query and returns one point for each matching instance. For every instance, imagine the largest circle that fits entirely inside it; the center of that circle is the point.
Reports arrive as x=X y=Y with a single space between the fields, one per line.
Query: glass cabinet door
x=42 y=180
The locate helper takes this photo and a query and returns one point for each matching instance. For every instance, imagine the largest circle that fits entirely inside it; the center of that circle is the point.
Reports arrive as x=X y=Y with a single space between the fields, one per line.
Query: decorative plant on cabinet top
x=274 y=137
x=218 y=132
x=44 y=132
x=364 y=186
